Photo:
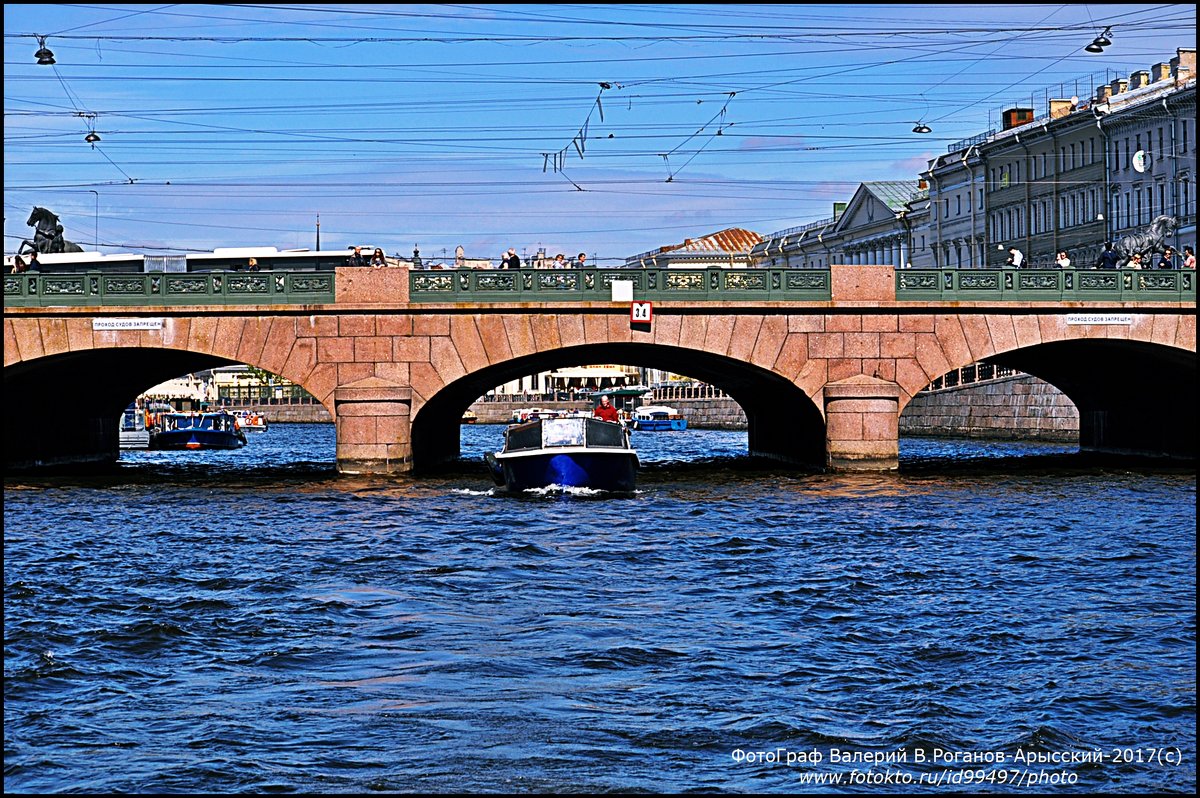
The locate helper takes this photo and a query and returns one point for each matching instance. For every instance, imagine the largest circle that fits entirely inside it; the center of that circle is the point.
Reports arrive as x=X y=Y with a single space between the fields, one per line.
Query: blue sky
x=609 y=129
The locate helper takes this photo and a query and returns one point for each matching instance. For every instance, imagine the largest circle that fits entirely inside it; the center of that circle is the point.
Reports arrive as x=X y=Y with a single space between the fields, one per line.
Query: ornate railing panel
x=168 y=288
x=1049 y=285
x=555 y=285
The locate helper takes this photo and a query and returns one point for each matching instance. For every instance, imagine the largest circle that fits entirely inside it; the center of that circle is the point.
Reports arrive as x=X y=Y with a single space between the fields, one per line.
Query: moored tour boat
x=658 y=418
x=566 y=452
x=217 y=430
x=251 y=421
x=469 y=417
x=133 y=433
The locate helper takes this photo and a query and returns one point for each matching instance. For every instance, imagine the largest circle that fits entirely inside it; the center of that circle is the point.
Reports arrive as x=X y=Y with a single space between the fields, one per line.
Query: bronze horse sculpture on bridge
x=1147 y=242
x=47 y=235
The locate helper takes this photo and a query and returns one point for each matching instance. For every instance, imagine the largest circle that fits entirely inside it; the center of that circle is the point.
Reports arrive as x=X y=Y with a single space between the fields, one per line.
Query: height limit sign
x=641 y=314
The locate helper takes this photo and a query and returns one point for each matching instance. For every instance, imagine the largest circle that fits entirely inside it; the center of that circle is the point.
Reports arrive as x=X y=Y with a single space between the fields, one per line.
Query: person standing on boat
x=606 y=411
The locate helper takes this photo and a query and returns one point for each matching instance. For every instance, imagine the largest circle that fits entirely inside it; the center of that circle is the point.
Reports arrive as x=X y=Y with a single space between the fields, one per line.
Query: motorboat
x=217 y=430
x=521 y=415
x=657 y=418
x=251 y=421
x=132 y=432
x=469 y=417
x=579 y=452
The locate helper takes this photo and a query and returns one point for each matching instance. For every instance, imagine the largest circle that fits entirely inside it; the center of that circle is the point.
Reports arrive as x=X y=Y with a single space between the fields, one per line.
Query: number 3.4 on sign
x=641 y=312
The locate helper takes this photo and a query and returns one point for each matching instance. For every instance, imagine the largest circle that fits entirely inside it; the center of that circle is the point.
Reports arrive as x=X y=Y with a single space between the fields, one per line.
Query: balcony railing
x=561 y=285
x=41 y=289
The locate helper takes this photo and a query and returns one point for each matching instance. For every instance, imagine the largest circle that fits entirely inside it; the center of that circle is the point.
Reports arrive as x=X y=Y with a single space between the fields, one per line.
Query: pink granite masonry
x=374 y=360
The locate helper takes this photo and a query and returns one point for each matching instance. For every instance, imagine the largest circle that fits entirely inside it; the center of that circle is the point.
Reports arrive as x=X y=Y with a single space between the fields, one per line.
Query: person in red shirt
x=606 y=411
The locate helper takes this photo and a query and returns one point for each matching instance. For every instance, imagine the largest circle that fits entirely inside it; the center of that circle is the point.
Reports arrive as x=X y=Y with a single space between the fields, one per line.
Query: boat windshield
x=563 y=432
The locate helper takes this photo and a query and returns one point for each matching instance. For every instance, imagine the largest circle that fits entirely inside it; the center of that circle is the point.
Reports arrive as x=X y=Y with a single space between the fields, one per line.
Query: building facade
x=1081 y=173
x=875 y=227
x=1067 y=177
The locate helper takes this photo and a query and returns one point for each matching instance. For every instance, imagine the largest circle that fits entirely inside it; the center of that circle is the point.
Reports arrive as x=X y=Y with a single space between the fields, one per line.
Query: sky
x=607 y=129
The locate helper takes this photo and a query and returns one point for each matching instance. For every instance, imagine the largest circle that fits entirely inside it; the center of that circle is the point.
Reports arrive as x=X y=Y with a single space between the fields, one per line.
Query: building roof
x=734 y=239
x=895 y=194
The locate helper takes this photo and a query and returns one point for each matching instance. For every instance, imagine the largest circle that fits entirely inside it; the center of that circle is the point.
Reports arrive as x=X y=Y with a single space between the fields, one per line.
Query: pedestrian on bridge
x=1167 y=259
x=1108 y=258
x=1189 y=258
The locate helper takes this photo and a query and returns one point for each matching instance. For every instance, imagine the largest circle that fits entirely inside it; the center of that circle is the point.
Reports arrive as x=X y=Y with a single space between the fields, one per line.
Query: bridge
x=822 y=361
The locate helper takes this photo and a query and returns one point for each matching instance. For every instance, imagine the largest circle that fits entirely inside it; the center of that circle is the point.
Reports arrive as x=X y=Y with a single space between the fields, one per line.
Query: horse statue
x=47 y=234
x=1146 y=242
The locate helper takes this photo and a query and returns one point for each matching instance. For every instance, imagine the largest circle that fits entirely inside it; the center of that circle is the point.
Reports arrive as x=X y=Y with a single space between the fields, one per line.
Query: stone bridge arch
x=65 y=404
x=1133 y=384
x=784 y=421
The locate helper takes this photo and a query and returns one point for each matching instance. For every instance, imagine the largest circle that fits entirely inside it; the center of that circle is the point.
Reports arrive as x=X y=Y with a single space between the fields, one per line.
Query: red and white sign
x=641 y=312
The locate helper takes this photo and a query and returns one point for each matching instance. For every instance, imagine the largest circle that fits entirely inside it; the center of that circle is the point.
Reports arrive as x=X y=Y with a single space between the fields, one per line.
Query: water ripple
x=263 y=624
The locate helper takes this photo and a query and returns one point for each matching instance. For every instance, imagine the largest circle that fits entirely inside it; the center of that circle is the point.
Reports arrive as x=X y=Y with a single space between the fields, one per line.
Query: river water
x=253 y=621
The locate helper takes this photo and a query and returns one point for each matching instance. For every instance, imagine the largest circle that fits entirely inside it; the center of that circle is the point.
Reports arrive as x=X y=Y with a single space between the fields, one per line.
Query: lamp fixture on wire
x=1100 y=42
x=922 y=128
x=91 y=137
x=43 y=55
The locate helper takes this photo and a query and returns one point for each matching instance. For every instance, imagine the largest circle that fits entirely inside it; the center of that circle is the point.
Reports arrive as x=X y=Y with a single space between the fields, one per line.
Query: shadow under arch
x=65 y=409
x=784 y=422
x=1133 y=397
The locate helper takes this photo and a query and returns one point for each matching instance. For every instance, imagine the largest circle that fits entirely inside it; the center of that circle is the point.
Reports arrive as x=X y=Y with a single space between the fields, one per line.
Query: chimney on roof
x=1103 y=93
x=1139 y=79
x=1060 y=108
x=1119 y=86
x=1183 y=65
x=1184 y=58
x=1160 y=72
x=922 y=184
x=1015 y=117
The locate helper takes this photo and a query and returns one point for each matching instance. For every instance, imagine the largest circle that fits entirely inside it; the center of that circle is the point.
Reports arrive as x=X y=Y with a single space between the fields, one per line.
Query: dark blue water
x=253 y=621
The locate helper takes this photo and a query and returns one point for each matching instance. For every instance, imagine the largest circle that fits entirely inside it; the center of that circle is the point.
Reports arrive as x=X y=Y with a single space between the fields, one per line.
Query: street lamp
x=96 y=231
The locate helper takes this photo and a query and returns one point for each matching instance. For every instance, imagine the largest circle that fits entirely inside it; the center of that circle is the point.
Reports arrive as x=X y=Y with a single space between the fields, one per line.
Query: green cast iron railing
x=562 y=285
x=1046 y=285
x=168 y=288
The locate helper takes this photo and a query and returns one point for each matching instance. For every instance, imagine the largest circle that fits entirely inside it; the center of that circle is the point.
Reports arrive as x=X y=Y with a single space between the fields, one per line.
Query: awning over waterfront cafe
x=590 y=377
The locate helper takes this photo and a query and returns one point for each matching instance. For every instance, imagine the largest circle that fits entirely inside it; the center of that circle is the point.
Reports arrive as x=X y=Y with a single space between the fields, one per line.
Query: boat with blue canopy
x=218 y=430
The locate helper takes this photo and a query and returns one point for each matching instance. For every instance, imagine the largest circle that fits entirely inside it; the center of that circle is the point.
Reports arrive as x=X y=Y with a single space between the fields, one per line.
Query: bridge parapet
x=168 y=288
x=557 y=285
x=1046 y=285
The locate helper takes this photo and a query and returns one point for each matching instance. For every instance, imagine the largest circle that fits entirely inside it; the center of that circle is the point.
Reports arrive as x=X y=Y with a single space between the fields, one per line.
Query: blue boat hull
x=660 y=425
x=610 y=471
x=196 y=439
